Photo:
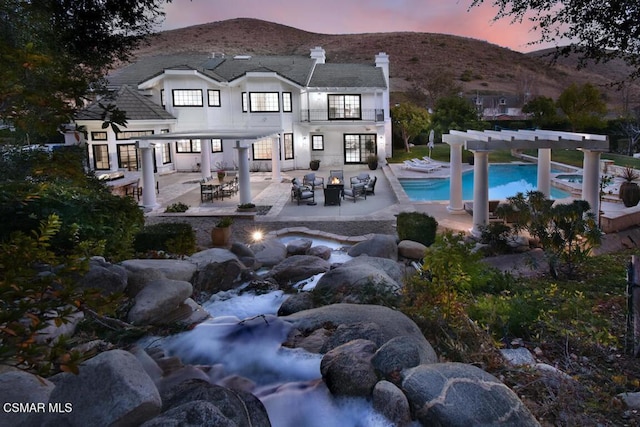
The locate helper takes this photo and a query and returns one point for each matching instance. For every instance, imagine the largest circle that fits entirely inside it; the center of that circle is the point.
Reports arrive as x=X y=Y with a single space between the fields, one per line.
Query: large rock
x=380 y=245
x=245 y=255
x=361 y=283
x=299 y=246
x=456 y=394
x=298 y=267
x=244 y=409
x=213 y=255
x=392 y=268
x=296 y=302
x=138 y=279
x=192 y=414
x=174 y=269
x=110 y=389
x=320 y=251
x=220 y=276
x=354 y=331
x=392 y=323
x=107 y=277
x=270 y=252
x=22 y=387
x=347 y=369
x=157 y=299
x=395 y=355
x=410 y=249
x=391 y=402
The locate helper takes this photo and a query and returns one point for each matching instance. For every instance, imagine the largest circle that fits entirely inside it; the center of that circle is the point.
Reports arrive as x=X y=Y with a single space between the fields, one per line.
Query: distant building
x=498 y=107
x=201 y=111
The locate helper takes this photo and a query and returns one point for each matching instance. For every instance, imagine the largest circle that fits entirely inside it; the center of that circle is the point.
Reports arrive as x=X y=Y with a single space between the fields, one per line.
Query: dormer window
x=503 y=101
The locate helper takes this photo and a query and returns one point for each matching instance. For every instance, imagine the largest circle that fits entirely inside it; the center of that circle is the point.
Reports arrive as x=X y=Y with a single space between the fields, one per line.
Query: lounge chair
x=493 y=205
x=355 y=191
x=420 y=166
x=370 y=187
x=313 y=181
x=302 y=192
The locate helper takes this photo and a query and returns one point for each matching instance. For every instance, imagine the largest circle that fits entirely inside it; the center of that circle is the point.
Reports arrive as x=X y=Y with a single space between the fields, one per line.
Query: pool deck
x=389 y=199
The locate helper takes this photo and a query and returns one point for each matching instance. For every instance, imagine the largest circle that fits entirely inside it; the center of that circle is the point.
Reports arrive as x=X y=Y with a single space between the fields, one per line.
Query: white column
x=455 y=179
x=480 y=191
x=205 y=158
x=591 y=180
x=244 y=177
x=275 y=159
x=148 y=180
x=544 y=171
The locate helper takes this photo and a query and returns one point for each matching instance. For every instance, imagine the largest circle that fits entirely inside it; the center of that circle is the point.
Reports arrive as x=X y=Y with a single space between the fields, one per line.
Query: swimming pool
x=504 y=181
x=575 y=178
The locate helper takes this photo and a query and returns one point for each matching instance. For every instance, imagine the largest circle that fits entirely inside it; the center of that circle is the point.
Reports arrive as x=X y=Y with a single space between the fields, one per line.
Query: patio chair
x=363 y=177
x=370 y=187
x=302 y=192
x=206 y=191
x=313 y=181
x=355 y=191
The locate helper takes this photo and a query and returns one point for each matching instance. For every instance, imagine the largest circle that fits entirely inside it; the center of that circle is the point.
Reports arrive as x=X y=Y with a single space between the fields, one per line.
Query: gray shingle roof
x=347 y=75
x=136 y=106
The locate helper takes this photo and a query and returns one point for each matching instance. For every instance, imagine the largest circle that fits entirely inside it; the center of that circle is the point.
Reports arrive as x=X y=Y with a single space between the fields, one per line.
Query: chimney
x=382 y=61
x=317 y=53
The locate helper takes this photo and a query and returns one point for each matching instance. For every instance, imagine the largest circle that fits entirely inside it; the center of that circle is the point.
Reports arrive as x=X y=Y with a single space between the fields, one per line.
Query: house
x=499 y=107
x=201 y=112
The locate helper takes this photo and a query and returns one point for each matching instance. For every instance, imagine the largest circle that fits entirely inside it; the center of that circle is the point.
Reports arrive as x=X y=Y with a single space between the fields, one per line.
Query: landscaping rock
x=347 y=369
x=353 y=331
x=518 y=356
x=107 y=277
x=174 y=269
x=392 y=268
x=22 y=387
x=395 y=355
x=270 y=252
x=320 y=251
x=196 y=414
x=296 y=302
x=299 y=246
x=245 y=255
x=157 y=299
x=410 y=249
x=298 y=267
x=220 y=276
x=138 y=279
x=380 y=245
x=214 y=255
x=391 y=402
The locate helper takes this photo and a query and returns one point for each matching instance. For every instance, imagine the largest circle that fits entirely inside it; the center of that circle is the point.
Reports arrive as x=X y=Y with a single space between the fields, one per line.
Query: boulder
x=174 y=269
x=380 y=245
x=245 y=255
x=456 y=394
x=109 y=278
x=298 y=267
x=391 y=402
x=192 y=414
x=52 y=332
x=296 y=302
x=410 y=249
x=321 y=251
x=392 y=323
x=353 y=331
x=395 y=355
x=270 y=252
x=244 y=409
x=220 y=276
x=212 y=255
x=157 y=299
x=518 y=356
x=22 y=387
x=138 y=279
x=110 y=389
x=299 y=246
x=347 y=369
x=392 y=268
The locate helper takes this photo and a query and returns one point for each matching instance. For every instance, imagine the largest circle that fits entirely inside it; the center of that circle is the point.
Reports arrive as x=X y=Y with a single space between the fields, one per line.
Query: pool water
x=504 y=181
x=575 y=178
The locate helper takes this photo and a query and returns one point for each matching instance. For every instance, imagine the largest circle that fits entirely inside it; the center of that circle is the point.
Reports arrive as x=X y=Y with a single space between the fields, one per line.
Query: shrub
x=174 y=237
x=177 y=208
x=417 y=226
x=224 y=222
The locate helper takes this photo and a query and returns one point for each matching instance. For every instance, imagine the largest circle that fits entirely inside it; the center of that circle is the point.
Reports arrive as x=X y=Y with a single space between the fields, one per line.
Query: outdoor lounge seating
x=355 y=191
x=370 y=186
x=493 y=205
x=421 y=166
x=313 y=181
x=302 y=192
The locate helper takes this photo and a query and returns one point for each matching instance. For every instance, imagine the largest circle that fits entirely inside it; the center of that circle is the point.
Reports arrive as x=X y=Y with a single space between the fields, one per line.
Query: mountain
x=478 y=66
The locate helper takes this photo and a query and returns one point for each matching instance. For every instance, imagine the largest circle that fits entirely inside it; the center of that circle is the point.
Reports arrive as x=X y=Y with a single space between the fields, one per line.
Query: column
x=480 y=191
x=205 y=159
x=591 y=180
x=148 y=180
x=544 y=171
x=275 y=159
x=244 y=177
x=455 y=179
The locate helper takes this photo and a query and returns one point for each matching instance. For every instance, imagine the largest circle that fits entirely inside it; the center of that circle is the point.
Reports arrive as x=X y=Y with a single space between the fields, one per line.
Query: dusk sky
x=361 y=16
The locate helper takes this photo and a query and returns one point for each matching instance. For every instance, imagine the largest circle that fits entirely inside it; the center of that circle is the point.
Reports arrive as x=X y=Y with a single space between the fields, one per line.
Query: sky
x=362 y=16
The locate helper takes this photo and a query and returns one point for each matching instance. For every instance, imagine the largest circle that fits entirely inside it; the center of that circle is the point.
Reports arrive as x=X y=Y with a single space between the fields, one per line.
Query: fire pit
x=333 y=191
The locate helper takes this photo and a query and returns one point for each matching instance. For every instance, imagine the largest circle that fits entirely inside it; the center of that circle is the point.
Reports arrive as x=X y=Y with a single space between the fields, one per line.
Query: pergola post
x=480 y=191
x=455 y=191
x=275 y=159
x=244 y=177
x=591 y=180
x=205 y=159
x=544 y=171
x=148 y=180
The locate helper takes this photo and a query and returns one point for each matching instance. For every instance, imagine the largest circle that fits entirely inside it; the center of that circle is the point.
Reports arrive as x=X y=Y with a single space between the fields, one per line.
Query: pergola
x=481 y=143
x=243 y=140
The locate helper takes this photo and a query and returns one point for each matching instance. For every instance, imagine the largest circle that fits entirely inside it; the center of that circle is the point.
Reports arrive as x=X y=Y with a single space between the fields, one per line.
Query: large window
x=133 y=134
x=317 y=142
x=287 y=142
x=216 y=146
x=358 y=146
x=166 y=153
x=101 y=157
x=344 y=107
x=187 y=97
x=262 y=149
x=214 y=97
x=286 y=102
x=127 y=157
x=99 y=136
x=188 y=146
x=261 y=102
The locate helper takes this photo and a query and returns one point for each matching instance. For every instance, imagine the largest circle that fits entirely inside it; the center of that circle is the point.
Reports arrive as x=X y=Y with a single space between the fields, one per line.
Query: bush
x=174 y=237
x=417 y=226
x=177 y=208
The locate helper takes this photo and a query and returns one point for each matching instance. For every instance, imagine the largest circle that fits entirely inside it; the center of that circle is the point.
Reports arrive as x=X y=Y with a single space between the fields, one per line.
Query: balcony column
x=591 y=180
x=244 y=177
x=455 y=178
x=275 y=159
x=148 y=180
x=205 y=159
x=480 y=191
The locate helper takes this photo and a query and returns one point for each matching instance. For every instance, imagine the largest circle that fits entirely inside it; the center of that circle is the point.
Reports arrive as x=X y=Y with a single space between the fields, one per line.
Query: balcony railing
x=372 y=115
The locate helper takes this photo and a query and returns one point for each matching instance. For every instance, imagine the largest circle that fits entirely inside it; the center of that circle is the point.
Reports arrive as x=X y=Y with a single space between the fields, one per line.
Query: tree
x=454 y=112
x=440 y=84
x=583 y=106
x=595 y=31
x=542 y=109
x=629 y=125
x=408 y=121
x=55 y=52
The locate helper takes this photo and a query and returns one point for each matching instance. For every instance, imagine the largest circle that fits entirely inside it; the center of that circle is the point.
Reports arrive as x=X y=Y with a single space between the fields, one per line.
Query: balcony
x=371 y=115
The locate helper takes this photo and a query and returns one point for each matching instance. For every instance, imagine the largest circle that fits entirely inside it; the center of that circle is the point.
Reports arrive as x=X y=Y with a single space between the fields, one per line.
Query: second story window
x=264 y=102
x=286 y=102
x=344 y=107
x=188 y=146
x=214 y=97
x=187 y=97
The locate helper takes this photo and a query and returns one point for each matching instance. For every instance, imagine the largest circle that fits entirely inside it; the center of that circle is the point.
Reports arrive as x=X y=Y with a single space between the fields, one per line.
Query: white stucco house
x=194 y=111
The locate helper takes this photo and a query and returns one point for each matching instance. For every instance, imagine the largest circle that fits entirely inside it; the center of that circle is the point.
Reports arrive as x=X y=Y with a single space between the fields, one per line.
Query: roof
x=136 y=106
x=347 y=75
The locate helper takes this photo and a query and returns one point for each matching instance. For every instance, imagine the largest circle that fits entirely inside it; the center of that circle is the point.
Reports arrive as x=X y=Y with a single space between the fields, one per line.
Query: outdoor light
x=257 y=236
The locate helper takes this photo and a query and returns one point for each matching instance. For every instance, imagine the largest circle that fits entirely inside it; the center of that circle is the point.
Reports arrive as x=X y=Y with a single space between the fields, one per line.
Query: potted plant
x=372 y=162
x=221 y=175
x=221 y=233
x=246 y=207
x=314 y=165
x=629 y=190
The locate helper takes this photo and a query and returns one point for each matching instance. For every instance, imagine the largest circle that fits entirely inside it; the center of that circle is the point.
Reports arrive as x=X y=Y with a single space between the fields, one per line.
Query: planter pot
x=629 y=194
x=373 y=165
x=220 y=236
x=314 y=165
x=221 y=177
